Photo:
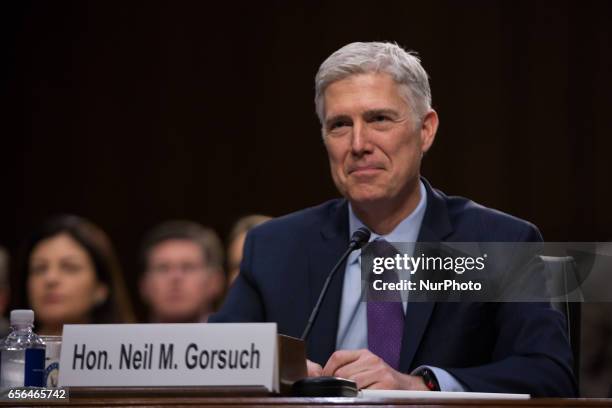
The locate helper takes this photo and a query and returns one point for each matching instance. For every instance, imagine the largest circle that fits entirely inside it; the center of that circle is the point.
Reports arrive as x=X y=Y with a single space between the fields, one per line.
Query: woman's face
x=62 y=282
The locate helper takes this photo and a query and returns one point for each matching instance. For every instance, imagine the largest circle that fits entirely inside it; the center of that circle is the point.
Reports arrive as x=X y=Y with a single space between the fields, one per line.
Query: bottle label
x=34 y=368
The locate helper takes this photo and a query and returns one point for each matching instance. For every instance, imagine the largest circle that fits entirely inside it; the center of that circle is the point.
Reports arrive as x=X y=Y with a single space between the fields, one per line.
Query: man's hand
x=314 y=369
x=370 y=371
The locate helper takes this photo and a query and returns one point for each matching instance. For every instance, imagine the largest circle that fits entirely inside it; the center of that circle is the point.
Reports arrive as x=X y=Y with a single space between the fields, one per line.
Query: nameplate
x=135 y=355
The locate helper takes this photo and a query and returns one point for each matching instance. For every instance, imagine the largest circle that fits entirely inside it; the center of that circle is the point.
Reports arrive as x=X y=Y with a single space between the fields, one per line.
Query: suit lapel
x=435 y=227
x=325 y=252
x=323 y=255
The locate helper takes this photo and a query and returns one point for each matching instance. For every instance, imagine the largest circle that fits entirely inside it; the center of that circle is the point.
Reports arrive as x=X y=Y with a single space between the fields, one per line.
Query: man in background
x=183 y=272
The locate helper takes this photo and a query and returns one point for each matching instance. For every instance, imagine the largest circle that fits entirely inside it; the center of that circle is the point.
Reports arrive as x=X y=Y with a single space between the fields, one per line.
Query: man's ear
x=429 y=127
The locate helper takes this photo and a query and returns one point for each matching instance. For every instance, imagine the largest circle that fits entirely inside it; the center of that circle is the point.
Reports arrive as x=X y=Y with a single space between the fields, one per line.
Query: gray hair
x=361 y=58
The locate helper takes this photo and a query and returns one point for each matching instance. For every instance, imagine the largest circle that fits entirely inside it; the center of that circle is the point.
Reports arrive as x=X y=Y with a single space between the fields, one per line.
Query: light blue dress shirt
x=353 y=322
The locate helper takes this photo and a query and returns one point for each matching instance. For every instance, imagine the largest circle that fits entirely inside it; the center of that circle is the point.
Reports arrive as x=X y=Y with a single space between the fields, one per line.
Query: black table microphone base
x=324 y=387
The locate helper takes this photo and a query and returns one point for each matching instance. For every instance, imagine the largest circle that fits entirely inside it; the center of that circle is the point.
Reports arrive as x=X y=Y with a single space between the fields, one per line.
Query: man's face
x=374 y=144
x=177 y=285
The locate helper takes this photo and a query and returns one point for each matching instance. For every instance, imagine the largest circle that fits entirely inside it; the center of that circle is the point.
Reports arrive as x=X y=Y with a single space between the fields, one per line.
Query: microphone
x=358 y=240
x=330 y=386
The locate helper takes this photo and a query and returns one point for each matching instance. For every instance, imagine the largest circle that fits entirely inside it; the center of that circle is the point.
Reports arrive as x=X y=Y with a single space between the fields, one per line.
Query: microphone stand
x=326 y=386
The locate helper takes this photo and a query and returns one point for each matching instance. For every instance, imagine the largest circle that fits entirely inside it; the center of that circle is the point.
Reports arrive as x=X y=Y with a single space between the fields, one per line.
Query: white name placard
x=206 y=354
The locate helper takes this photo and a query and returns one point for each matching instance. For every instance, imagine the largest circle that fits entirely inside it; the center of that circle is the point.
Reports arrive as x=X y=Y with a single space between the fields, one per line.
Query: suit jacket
x=488 y=347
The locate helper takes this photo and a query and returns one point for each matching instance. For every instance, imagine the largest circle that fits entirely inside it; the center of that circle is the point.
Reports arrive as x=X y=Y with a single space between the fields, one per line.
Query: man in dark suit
x=374 y=103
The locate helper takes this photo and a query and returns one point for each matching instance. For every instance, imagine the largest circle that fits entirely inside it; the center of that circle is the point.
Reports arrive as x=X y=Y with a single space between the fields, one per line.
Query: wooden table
x=228 y=397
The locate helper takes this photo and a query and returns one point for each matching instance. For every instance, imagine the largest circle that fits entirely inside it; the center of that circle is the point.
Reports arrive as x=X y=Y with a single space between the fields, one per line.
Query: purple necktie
x=385 y=313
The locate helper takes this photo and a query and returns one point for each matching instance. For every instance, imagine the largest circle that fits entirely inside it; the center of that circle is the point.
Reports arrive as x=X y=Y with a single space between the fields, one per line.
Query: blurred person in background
x=183 y=272
x=4 y=292
x=71 y=275
x=236 y=242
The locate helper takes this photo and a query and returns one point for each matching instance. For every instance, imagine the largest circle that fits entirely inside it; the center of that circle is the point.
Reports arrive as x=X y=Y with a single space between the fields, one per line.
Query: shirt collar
x=406 y=231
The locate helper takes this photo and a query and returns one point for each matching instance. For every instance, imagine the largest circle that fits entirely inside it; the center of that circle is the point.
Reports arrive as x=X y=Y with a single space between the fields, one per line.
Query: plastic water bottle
x=22 y=354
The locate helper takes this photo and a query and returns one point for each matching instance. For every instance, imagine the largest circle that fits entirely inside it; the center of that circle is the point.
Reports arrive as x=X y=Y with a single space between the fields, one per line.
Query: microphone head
x=360 y=237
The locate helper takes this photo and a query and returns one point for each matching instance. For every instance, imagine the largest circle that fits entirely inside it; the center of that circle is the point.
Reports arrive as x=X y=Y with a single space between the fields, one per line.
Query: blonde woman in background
x=236 y=242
